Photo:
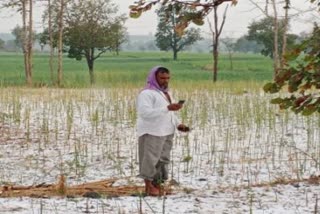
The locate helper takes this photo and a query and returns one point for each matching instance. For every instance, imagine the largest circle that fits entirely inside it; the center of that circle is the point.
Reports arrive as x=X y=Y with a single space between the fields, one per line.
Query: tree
x=10 y=45
x=167 y=37
x=151 y=46
x=30 y=38
x=285 y=30
x=262 y=32
x=247 y=46
x=43 y=38
x=2 y=43
x=17 y=32
x=120 y=36
x=230 y=46
x=53 y=35
x=278 y=59
x=50 y=39
x=50 y=33
x=216 y=32
x=301 y=75
x=25 y=7
x=201 y=7
x=92 y=28
x=61 y=5
x=275 y=22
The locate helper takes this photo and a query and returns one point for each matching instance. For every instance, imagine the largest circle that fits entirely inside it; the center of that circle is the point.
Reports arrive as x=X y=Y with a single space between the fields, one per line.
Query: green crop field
x=131 y=68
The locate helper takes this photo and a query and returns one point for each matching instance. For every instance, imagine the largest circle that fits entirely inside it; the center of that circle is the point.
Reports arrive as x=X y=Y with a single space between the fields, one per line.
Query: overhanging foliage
x=301 y=76
x=201 y=9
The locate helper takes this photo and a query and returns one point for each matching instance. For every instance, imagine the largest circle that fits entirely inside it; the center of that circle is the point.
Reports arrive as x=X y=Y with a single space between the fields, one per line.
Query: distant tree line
x=259 y=39
x=142 y=43
x=244 y=44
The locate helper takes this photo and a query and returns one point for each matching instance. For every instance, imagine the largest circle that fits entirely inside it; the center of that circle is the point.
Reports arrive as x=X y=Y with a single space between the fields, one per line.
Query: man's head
x=163 y=77
x=158 y=79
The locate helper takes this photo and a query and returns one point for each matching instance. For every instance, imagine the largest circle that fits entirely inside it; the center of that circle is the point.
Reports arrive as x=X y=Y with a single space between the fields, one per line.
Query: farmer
x=156 y=126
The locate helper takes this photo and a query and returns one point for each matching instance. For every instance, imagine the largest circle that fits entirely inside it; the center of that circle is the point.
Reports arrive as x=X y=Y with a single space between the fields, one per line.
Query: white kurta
x=154 y=118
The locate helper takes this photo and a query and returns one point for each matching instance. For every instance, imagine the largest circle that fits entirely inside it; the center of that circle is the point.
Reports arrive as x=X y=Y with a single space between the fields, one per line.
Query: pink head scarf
x=152 y=82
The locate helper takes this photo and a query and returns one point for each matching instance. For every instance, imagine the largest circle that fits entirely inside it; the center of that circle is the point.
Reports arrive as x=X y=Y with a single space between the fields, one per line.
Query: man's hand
x=183 y=128
x=174 y=107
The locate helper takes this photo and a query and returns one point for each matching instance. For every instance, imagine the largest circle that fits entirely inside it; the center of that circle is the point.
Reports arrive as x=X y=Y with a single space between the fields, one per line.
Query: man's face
x=163 y=79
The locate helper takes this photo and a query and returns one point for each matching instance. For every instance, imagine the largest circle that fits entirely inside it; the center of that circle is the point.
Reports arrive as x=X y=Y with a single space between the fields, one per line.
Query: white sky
x=238 y=18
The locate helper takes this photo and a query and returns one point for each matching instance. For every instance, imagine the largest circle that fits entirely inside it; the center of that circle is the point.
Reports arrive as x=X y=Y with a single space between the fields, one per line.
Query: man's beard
x=164 y=86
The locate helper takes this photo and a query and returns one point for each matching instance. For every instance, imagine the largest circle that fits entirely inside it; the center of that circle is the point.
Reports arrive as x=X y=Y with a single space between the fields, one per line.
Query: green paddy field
x=131 y=68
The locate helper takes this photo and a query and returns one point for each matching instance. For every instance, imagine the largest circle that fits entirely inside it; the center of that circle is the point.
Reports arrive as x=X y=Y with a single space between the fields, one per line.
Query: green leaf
x=292 y=55
x=286 y=103
x=308 y=111
x=271 y=88
x=198 y=21
x=135 y=14
x=187 y=158
x=277 y=100
x=283 y=76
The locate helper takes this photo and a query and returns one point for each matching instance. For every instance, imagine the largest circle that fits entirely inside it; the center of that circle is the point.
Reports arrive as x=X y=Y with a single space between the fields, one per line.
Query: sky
x=238 y=18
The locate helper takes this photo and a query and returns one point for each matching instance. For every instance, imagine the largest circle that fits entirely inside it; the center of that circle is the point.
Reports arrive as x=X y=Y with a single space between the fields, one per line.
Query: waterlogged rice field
x=243 y=154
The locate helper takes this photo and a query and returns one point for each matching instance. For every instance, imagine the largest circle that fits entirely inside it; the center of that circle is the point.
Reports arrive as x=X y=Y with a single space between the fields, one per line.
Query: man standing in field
x=156 y=126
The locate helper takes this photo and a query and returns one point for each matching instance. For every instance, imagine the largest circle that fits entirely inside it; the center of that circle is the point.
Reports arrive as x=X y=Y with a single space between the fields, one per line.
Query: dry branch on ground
x=91 y=189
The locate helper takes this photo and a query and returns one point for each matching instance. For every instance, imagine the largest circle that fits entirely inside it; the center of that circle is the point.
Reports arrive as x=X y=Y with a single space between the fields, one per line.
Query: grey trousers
x=154 y=157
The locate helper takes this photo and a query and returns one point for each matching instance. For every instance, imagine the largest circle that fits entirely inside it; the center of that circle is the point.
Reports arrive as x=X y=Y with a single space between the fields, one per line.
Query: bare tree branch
x=264 y=11
x=223 y=20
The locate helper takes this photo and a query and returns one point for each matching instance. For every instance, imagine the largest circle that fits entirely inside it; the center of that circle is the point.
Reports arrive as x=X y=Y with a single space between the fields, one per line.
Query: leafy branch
x=201 y=8
x=301 y=76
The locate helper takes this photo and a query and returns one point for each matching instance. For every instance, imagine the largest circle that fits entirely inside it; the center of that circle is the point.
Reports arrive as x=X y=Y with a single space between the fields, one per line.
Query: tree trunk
x=91 y=73
x=285 y=29
x=215 y=62
x=50 y=41
x=118 y=44
x=275 y=41
x=175 y=54
x=215 y=46
x=215 y=39
x=266 y=8
x=117 y=51
x=174 y=35
x=90 y=61
x=30 y=41
x=25 y=42
x=60 y=27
